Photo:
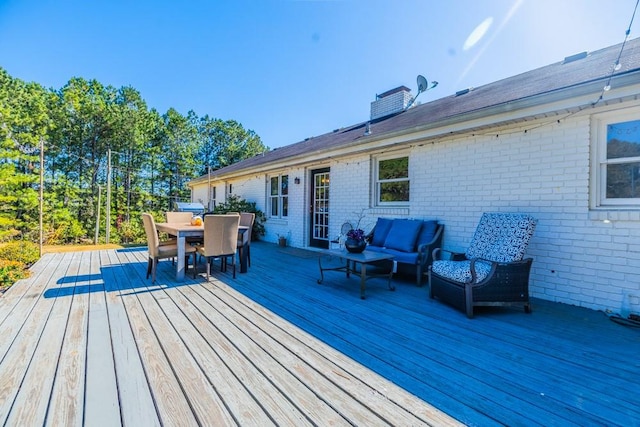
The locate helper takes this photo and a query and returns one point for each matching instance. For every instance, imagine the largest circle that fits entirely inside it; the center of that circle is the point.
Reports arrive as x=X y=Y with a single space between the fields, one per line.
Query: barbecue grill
x=194 y=208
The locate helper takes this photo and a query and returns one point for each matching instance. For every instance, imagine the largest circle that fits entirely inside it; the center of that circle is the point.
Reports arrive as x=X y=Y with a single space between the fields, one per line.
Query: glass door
x=319 y=224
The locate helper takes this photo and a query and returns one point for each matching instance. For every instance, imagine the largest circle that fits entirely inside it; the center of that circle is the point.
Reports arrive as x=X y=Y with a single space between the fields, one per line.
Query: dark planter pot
x=355 y=246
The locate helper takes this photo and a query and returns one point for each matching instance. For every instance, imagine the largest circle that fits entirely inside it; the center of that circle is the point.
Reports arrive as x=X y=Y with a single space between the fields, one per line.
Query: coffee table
x=372 y=264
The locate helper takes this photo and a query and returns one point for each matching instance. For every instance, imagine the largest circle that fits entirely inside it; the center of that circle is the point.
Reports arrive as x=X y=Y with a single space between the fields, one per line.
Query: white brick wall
x=578 y=258
x=544 y=172
x=393 y=103
x=199 y=194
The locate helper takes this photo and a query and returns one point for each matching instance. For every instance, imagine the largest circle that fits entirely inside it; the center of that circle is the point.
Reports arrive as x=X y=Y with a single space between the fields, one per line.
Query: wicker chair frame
x=507 y=284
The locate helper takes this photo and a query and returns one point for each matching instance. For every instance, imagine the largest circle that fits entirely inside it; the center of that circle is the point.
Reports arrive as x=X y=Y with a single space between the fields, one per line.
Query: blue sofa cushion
x=403 y=234
x=427 y=232
x=380 y=231
x=399 y=256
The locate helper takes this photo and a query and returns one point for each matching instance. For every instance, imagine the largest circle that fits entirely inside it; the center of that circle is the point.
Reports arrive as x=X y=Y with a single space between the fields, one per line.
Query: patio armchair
x=220 y=240
x=159 y=251
x=493 y=270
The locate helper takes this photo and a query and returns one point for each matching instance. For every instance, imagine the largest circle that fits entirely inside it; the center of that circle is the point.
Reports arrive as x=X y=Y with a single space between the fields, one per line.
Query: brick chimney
x=390 y=102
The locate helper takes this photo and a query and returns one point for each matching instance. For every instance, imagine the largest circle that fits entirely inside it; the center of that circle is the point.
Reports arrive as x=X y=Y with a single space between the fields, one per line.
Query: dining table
x=183 y=230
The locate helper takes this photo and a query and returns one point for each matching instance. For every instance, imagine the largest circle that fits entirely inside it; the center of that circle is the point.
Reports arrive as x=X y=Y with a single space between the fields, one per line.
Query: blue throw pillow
x=427 y=232
x=380 y=231
x=403 y=234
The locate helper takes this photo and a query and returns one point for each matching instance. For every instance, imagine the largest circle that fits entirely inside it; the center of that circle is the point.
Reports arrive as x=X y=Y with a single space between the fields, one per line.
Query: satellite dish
x=422 y=84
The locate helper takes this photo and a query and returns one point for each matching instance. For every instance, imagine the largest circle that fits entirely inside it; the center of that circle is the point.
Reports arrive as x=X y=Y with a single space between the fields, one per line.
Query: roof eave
x=573 y=98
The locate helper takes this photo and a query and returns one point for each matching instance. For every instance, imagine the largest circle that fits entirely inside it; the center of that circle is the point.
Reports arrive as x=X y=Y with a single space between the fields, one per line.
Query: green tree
x=153 y=156
x=24 y=123
x=78 y=154
x=179 y=143
x=225 y=142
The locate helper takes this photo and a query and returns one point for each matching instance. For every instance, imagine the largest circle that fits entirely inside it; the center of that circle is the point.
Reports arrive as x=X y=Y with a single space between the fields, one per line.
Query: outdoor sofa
x=410 y=241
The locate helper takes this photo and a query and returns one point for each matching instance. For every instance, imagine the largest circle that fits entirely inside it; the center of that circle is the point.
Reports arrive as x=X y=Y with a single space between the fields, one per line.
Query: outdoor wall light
x=296 y=180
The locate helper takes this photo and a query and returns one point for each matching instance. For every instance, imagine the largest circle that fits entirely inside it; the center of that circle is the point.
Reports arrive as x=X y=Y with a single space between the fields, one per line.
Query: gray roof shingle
x=541 y=82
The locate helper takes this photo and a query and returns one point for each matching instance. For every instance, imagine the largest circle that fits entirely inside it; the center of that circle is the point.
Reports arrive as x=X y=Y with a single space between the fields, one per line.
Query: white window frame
x=376 y=182
x=598 y=175
x=212 y=198
x=279 y=197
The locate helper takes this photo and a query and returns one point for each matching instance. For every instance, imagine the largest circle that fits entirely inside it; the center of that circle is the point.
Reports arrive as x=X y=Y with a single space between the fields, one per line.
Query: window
x=392 y=181
x=616 y=170
x=212 y=198
x=279 y=196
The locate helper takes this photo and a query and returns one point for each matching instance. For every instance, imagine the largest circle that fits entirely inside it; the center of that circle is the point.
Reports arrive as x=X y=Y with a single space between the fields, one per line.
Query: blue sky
x=294 y=69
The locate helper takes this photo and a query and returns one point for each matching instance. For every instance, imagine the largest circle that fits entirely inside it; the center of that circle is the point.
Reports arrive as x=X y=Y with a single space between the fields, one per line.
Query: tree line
x=152 y=157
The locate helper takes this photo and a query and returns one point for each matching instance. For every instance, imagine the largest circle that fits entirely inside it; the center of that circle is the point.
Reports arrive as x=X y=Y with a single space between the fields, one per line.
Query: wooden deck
x=88 y=341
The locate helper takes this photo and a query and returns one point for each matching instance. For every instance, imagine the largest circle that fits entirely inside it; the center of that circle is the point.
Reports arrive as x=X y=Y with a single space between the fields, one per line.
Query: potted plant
x=355 y=240
x=282 y=240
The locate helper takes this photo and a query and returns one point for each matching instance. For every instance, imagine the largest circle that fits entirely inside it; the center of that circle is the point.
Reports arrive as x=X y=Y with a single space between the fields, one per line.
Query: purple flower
x=355 y=234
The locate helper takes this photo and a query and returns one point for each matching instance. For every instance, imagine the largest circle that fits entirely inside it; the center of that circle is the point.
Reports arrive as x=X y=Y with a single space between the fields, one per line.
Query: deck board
x=199 y=393
x=227 y=368
x=498 y=356
x=87 y=339
x=393 y=407
x=101 y=402
x=67 y=394
x=171 y=403
x=136 y=400
x=33 y=397
x=30 y=357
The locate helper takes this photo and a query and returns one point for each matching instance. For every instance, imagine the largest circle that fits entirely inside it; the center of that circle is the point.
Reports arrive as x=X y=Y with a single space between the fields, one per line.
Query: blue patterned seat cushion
x=460 y=271
x=502 y=237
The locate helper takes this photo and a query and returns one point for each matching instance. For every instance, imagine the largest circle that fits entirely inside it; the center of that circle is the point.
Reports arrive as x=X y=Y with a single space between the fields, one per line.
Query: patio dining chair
x=158 y=251
x=220 y=240
x=246 y=219
x=492 y=271
x=179 y=217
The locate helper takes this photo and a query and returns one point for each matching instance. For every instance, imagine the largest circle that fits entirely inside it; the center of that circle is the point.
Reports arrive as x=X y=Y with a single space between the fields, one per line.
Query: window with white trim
x=616 y=167
x=279 y=196
x=212 y=198
x=391 y=181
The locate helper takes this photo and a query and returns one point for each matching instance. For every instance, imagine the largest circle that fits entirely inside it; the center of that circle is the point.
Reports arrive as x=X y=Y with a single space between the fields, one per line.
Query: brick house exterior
x=534 y=143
